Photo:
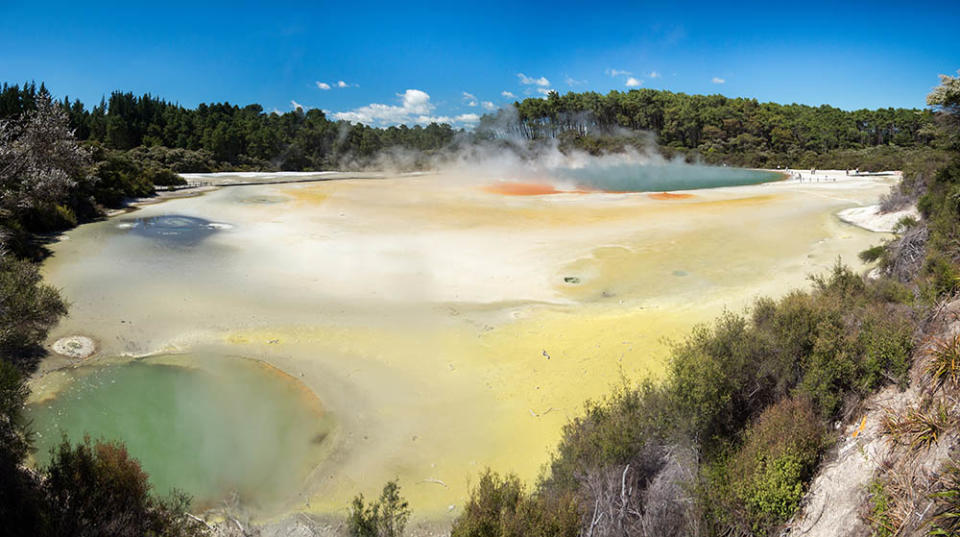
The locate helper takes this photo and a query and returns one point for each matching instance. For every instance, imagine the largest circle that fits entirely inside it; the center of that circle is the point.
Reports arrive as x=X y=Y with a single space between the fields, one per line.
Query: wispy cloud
x=323 y=85
x=574 y=82
x=470 y=99
x=654 y=74
x=413 y=104
x=508 y=94
x=617 y=72
x=633 y=82
x=530 y=81
x=717 y=80
x=415 y=107
x=342 y=84
x=545 y=91
x=295 y=105
x=487 y=105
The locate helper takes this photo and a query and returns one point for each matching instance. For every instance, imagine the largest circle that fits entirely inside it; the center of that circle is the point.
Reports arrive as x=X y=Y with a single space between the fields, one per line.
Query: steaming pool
x=413 y=327
x=628 y=177
x=203 y=425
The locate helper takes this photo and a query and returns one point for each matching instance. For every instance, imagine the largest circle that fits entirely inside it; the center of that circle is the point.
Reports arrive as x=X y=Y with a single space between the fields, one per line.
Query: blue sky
x=405 y=62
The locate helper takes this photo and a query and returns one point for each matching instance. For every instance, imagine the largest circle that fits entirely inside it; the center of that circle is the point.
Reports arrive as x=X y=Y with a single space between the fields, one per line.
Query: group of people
x=813 y=175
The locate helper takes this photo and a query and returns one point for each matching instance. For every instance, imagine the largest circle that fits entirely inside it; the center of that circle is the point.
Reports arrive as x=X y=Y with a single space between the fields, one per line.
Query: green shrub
x=163 y=177
x=880 y=517
x=760 y=485
x=120 y=177
x=886 y=342
x=47 y=217
x=611 y=431
x=97 y=489
x=946 y=517
x=28 y=309
x=871 y=254
x=384 y=518
x=499 y=507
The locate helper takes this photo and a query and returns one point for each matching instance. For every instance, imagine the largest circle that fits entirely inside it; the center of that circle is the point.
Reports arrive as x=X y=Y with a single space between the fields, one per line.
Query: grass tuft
x=917 y=427
x=944 y=364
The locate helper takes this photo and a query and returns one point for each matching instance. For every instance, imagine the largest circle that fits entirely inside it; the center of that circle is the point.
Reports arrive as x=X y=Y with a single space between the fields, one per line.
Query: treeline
x=717 y=128
x=224 y=135
x=712 y=128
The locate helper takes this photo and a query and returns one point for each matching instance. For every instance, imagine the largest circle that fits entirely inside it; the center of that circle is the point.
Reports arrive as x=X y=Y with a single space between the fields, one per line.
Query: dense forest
x=719 y=129
x=714 y=128
x=224 y=135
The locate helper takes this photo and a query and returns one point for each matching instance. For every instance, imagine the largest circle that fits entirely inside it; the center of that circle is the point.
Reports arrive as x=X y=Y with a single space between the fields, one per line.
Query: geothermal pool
x=440 y=323
x=618 y=176
x=197 y=423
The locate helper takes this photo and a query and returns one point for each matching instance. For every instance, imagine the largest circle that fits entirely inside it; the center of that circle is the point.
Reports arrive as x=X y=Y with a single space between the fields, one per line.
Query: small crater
x=77 y=347
x=177 y=230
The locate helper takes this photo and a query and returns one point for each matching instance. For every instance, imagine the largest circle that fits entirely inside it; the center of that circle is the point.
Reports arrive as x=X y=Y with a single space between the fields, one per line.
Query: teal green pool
x=230 y=426
x=631 y=177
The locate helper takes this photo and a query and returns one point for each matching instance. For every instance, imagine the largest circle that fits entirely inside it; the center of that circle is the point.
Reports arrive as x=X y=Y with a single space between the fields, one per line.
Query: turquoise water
x=234 y=426
x=626 y=177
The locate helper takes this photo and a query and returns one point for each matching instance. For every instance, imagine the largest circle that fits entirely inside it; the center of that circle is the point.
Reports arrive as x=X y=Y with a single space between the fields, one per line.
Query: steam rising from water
x=631 y=177
x=233 y=426
x=639 y=167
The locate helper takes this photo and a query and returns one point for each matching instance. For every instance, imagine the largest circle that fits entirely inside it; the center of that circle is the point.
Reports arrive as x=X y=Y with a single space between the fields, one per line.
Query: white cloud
x=633 y=82
x=574 y=82
x=487 y=105
x=467 y=118
x=323 y=85
x=470 y=99
x=617 y=72
x=508 y=94
x=528 y=81
x=545 y=91
x=718 y=80
x=654 y=74
x=415 y=104
x=342 y=84
x=295 y=105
